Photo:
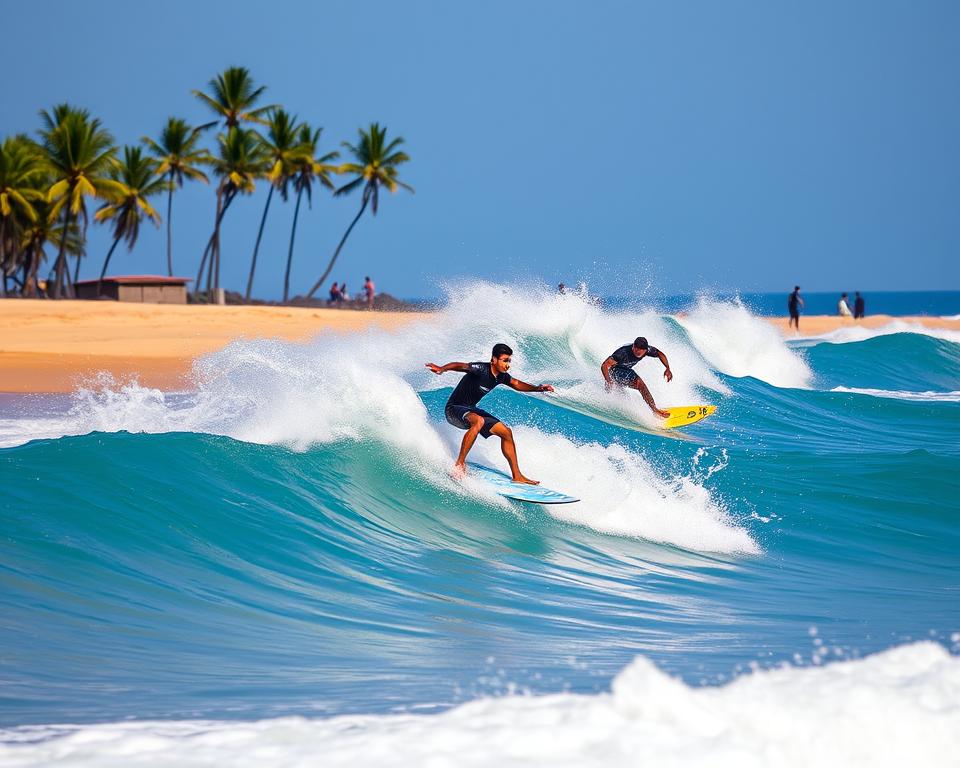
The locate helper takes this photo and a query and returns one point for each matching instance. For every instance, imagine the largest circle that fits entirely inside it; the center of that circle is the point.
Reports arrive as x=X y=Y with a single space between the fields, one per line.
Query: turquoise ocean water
x=283 y=548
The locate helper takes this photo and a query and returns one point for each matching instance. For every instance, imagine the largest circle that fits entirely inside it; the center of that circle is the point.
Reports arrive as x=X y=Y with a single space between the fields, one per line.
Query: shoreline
x=54 y=346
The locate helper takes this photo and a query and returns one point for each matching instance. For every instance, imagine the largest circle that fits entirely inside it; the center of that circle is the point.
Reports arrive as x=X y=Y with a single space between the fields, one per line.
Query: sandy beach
x=53 y=346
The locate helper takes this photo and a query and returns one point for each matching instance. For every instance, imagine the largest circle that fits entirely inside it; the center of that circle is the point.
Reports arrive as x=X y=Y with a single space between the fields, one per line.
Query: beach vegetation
x=375 y=164
x=282 y=149
x=139 y=179
x=79 y=155
x=43 y=230
x=47 y=183
x=240 y=161
x=233 y=97
x=309 y=169
x=179 y=157
x=21 y=179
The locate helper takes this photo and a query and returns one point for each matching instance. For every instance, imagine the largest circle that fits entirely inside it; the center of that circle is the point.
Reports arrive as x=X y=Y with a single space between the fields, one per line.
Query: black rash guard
x=476 y=383
x=625 y=358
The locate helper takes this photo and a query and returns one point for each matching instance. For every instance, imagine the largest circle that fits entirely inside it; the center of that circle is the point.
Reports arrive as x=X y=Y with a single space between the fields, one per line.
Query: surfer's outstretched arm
x=438 y=369
x=522 y=386
x=667 y=373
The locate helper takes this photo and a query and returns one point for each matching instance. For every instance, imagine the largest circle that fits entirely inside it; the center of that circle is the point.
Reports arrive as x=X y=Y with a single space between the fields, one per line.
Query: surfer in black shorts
x=618 y=369
x=462 y=412
x=794 y=305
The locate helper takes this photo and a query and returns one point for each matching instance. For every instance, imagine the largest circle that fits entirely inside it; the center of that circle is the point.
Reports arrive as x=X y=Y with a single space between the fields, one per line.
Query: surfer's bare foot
x=459 y=471
x=662 y=414
x=525 y=480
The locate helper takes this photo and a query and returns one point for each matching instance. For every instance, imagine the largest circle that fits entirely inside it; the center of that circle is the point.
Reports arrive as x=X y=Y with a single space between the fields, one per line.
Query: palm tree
x=44 y=229
x=138 y=175
x=178 y=157
x=375 y=166
x=21 y=175
x=78 y=153
x=233 y=97
x=309 y=168
x=240 y=161
x=282 y=150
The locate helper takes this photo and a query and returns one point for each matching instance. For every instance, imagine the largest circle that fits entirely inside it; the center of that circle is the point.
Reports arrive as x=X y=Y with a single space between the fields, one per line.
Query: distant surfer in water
x=618 y=370
x=462 y=412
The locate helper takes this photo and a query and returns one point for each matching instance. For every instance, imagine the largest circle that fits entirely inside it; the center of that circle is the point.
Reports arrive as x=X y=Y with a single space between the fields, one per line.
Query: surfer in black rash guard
x=618 y=369
x=462 y=412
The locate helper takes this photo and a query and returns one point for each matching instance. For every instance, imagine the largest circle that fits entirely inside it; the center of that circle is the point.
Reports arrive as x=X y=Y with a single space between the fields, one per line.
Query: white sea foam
x=621 y=493
x=740 y=344
x=936 y=397
x=899 y=707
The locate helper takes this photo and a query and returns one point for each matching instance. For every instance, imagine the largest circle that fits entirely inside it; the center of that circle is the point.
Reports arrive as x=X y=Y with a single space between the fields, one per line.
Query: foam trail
x=621 y=493
x=936 y=397
x=852 y=713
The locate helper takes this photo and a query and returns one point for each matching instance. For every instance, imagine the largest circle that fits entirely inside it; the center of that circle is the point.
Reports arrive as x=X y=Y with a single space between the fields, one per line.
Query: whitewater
x=276 y=564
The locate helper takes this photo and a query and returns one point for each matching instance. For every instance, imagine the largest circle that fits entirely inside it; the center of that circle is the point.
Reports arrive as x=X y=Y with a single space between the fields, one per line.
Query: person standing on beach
x=461 y=409
x=858 y=306
x=794 y=305
x=369 y=290
x=843 y=309
x=618 y=370
x=334 y=295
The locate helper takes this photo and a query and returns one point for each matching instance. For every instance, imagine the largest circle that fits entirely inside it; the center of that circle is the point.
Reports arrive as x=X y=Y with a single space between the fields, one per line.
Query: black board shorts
x=623 y=376
x=457 y=416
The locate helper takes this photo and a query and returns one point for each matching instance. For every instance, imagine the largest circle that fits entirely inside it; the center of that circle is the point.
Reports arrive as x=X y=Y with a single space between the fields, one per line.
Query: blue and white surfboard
x=502 y=484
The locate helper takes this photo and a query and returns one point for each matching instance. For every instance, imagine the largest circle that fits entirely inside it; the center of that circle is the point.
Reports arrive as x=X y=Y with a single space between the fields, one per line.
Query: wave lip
x=846 y=713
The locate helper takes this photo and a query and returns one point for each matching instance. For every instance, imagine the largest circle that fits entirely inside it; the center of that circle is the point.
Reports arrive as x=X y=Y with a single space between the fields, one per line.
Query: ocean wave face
x=284 y=546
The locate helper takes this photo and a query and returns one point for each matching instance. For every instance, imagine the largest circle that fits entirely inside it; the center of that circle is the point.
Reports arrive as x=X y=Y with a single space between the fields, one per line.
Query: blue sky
x=644 y=147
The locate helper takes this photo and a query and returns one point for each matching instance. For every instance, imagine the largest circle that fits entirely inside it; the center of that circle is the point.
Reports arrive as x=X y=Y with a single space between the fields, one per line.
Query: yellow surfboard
x=681 y=416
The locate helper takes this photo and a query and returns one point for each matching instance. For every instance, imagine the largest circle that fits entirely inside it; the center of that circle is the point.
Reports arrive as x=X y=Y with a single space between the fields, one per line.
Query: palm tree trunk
x=215 y=257
x=106 y=262
x=61 y=255
x=253 y=264
x=28 y=288
x=293 y=234
x=323 y=277
x=76 y=269
x=208 y=251
x=203 y=263
x=3 y=254
x=169 y=229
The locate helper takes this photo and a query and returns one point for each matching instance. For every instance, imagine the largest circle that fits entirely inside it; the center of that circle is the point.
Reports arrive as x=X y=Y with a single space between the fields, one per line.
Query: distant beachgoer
x=618 y=369
x=858 y=306
x=843 y=309
x=344 y=293
x=369 y=291
x=334 y=294
x=794 y=305
x=562 y=288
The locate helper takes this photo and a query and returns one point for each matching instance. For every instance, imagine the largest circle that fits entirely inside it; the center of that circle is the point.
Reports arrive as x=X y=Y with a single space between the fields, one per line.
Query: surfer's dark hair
x=501 y=349
x=641 y=343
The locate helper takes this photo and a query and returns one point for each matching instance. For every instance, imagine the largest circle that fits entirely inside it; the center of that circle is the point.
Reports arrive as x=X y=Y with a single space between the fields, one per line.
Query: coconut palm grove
x=51 y=181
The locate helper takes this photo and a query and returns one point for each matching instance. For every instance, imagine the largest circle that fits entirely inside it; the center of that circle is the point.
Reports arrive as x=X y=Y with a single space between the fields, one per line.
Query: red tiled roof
x=146 y=279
